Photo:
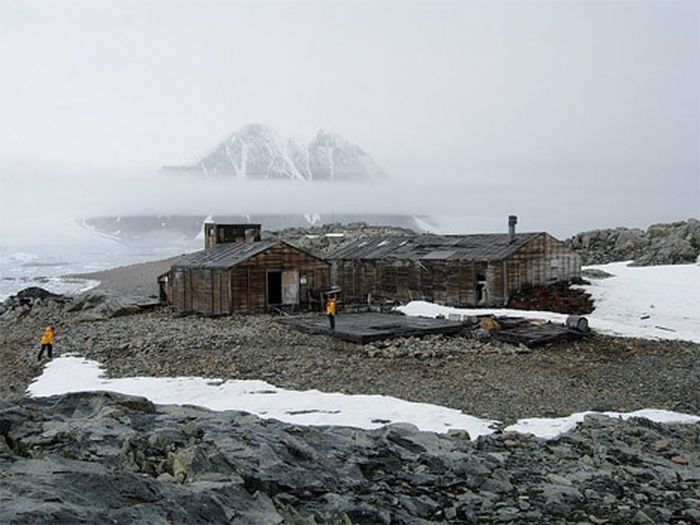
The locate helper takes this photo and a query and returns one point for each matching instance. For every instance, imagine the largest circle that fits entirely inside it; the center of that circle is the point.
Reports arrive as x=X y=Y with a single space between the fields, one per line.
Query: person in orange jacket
x=46 y=342
x=330 y=311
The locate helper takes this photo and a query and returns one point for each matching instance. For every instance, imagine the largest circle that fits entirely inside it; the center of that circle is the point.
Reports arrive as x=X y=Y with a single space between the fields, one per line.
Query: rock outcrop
x=673 y=243
x=107 y=458
x=18 y=305
x=99 y=305
x=92 y=305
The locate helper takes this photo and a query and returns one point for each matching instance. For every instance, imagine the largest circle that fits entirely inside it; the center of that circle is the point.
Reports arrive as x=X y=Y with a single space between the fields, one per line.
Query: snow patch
x=549 y=428
x=311 y=407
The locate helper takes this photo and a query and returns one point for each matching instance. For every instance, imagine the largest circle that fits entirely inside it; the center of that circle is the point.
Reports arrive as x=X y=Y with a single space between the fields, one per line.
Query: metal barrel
x=577 y=322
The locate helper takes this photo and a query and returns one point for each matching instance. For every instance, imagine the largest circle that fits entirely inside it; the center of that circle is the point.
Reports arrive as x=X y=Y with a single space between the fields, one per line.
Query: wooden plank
x=533 y=335
x=367 y=327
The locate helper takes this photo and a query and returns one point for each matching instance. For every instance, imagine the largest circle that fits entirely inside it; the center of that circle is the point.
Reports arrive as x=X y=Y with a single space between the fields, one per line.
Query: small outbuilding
x=244 y=277
x=456 y=270
x=216 y=233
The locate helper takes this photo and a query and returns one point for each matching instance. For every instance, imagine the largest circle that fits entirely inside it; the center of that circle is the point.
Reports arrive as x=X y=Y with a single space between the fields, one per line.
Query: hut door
x=290 y=287
x=274 y=287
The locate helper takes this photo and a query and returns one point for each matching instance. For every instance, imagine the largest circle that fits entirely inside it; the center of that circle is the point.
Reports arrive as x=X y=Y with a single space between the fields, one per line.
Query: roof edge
x=270 y=244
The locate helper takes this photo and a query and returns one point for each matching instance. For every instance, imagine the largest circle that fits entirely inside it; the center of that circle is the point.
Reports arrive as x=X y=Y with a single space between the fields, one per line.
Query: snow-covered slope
x=259 y=152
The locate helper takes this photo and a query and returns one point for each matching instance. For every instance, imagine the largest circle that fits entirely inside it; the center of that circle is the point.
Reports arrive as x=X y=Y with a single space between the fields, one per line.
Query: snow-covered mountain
x=259 y=152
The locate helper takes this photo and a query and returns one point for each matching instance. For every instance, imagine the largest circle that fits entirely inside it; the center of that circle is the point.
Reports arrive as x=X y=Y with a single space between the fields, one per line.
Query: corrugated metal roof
x=224 y=255
x=481 y=247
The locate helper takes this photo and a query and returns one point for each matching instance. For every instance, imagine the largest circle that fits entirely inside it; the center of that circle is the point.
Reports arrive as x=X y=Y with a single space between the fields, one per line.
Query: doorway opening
x=480 y=282
x=480 y=288
x=274 y=287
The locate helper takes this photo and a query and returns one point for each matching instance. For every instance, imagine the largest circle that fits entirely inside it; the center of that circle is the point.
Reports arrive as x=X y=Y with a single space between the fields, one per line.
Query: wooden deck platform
x=367 y=327
x=532 y=335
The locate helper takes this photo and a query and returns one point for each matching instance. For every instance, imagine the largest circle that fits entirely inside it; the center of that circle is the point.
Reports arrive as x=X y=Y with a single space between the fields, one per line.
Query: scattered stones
x=483 y=377
x=436 y=346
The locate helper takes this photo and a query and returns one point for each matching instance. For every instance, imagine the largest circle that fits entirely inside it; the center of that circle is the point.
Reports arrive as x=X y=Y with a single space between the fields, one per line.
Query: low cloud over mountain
x=259 y=152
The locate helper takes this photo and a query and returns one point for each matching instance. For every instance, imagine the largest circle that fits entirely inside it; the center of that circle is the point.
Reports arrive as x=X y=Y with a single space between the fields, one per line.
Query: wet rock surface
x=108 y=458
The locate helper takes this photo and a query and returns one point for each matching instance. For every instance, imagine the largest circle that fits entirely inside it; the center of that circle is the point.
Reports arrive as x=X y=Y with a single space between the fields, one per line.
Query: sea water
x=53 y=267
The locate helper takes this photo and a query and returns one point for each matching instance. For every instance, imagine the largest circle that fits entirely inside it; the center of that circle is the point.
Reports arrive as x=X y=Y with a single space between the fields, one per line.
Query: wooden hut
x=244 y=278
x=457 y=270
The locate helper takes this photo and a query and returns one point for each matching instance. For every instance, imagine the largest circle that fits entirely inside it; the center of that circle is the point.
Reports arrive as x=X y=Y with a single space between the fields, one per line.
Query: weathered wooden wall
x=544 y=260
x=230 y=233
x=564 y=263
x=250 y=277
x=243 y=288
x=448 y=282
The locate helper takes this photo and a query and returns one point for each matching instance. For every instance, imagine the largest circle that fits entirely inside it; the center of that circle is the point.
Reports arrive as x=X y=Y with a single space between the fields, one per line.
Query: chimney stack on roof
x=512 y=221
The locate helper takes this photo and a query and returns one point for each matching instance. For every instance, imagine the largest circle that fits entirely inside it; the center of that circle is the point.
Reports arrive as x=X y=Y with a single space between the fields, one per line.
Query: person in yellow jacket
x=46 y=342
x=330 y=311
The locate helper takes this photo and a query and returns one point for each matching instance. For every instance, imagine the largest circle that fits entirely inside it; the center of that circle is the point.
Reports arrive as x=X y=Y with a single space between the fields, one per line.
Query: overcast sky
x=547 y=98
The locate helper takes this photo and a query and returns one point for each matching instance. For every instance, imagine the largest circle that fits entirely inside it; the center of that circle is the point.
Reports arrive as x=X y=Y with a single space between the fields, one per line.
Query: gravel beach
x=135 y=279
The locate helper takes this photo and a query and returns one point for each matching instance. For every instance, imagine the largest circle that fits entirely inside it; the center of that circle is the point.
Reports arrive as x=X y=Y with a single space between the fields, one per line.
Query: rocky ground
x=671 y=243
x=106 y=458
x=482 y=378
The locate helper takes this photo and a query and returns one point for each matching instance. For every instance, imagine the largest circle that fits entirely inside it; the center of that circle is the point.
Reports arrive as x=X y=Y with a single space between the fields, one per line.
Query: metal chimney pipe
x=512 y=221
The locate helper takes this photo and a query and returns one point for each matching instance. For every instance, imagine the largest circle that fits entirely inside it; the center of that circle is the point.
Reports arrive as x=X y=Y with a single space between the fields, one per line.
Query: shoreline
x=134 y=279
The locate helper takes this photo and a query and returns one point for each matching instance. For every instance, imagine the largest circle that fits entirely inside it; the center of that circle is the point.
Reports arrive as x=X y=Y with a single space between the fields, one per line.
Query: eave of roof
x=228 y=255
